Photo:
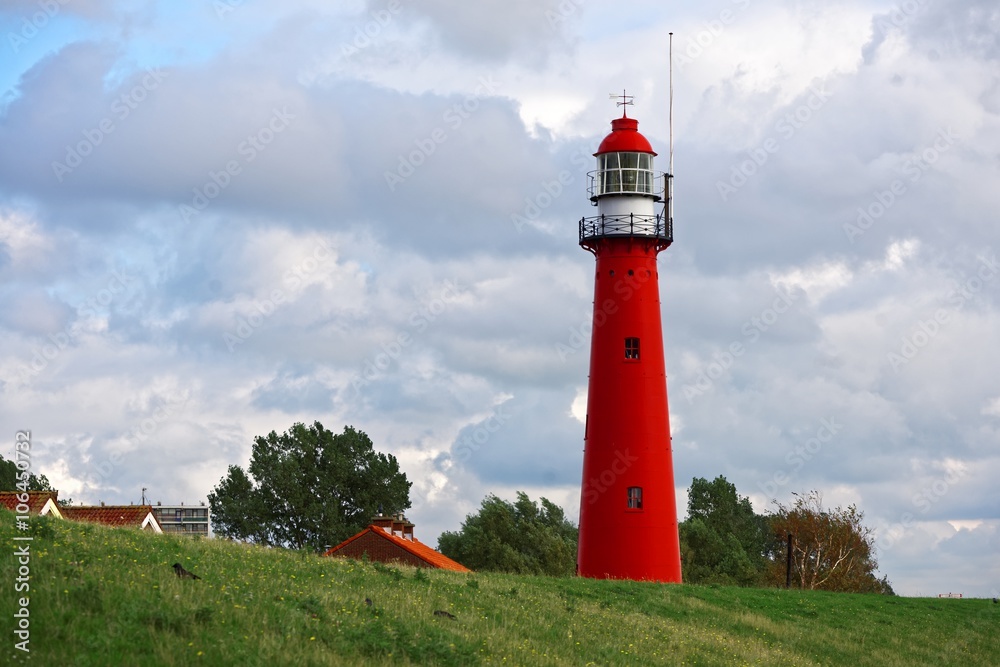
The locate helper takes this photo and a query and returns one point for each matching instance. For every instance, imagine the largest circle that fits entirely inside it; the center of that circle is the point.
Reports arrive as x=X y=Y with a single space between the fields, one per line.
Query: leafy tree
x=518 y=537
x=9 y=478
x=831 y=549
x=723 y=540
x=307 y=487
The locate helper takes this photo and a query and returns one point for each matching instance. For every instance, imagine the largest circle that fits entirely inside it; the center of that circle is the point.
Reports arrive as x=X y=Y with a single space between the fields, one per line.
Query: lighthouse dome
x=625 y=137
x=625 y=169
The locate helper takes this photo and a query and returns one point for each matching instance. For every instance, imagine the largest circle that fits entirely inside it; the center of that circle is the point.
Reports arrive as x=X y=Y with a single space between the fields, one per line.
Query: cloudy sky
x=220 y=218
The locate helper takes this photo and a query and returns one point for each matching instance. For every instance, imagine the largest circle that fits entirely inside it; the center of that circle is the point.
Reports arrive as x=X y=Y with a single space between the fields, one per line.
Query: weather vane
x=622 y=100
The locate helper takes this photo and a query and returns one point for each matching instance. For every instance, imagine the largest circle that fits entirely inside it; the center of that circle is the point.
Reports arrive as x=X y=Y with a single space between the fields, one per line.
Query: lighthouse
x=628 y=510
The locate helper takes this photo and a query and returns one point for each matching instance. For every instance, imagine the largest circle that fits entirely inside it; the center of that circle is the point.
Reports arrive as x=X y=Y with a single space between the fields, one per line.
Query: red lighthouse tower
x=628 y=512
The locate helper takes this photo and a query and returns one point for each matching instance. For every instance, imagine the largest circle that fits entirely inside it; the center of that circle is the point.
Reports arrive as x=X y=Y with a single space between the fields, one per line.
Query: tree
x=723 y=540
x=522 y=538
x=307 y=487
x=9 y=477
x=831 y=549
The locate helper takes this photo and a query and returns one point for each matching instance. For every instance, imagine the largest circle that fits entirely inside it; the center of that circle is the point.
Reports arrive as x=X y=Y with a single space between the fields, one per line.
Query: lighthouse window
x=635 y=497
x=612 y=181
x=631 y=348
x=645 y=181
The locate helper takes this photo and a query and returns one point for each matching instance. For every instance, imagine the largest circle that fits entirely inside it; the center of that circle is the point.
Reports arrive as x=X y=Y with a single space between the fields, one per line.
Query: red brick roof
x=414 y=547
x=130 y=516
x=36 y=500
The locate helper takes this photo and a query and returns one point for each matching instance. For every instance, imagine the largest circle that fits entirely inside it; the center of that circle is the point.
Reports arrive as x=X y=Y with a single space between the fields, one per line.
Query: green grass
x=102 y=596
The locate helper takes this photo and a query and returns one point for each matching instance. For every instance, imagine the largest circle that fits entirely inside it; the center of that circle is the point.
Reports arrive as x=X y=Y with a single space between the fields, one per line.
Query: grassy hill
x=102 y=596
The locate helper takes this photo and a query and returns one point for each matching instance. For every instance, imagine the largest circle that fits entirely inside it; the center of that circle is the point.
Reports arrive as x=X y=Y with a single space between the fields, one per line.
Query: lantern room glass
x=624 y=173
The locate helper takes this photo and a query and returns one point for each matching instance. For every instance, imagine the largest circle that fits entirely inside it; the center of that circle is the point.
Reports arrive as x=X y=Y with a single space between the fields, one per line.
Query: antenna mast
x=670 y=174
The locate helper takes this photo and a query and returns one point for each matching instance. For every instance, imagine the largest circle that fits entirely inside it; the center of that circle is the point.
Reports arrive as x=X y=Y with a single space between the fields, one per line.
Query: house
x=46 y=503
x=119 y=516
x=187 y=520
x=390 y=540
x=40 y=503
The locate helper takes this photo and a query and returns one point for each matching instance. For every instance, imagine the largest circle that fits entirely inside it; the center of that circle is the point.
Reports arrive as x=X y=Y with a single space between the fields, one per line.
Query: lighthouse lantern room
x=628 y=513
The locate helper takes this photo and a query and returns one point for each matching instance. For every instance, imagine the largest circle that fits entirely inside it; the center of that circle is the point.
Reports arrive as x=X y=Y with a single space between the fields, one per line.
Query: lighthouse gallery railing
x=650 y=226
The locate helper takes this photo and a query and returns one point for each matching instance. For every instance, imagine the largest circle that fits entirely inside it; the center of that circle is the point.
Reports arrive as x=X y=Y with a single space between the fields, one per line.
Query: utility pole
x=788 y=564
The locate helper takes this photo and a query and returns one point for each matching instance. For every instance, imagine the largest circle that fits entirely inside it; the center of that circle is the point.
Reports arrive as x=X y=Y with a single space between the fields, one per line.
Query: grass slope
x=102 y=596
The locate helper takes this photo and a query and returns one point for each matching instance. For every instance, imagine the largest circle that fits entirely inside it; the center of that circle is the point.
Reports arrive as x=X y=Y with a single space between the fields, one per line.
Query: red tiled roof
x=414 y=546
x=131 y=516
x=36 y=500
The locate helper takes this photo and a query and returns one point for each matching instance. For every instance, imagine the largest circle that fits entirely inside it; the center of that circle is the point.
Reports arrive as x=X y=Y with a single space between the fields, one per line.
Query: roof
x=37 y=500
x=414 y=546
x=130 y=516
x=625 y=137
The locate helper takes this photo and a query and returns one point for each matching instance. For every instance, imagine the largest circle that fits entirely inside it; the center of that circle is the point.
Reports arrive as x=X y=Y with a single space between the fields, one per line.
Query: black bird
x=441 y=612
x=368 y=601
x=184 y=574
x=995 y=600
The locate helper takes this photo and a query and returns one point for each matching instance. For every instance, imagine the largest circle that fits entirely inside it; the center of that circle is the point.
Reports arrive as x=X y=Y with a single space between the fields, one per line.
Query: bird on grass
x=444 y=614
x=182 y=573
x=368 y=601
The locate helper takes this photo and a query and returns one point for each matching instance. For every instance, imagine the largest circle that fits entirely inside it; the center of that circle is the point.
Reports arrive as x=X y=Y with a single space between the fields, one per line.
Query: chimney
x=407 y=530
x=397 y=525
x=383 y=522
